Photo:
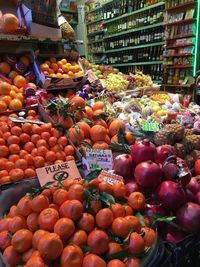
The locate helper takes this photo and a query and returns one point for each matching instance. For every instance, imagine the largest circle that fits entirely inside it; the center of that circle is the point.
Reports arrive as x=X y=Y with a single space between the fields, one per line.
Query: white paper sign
x=98 y=158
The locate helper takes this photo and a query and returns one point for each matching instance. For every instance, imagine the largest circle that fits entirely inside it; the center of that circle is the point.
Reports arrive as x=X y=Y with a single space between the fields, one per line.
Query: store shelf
x=68 y=10
x=95 y=9
x=134 y=30
x=96 y=32
x=137 y=63
x=177 y=46
x=94 y=21
x=97 y=41
x=184 y=21
x=178 y=85
x=177 y=67
x=22 y=38
x=179 y=55
x=180 y=37
x=134 y=47
x=134 y=12
x=174 y=8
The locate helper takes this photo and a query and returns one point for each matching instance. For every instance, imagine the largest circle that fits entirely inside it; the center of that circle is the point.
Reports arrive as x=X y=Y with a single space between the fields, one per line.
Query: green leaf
x=87 y=121
x=116 y=147
x=10 y=234
x=141 y=219
x=107 y=199
x=77 y=128
x=121 y=137
x=126 y=240
x=92 y=175
x=86 y=144
x=115 y=238
x=85 y=248
x=123 y=254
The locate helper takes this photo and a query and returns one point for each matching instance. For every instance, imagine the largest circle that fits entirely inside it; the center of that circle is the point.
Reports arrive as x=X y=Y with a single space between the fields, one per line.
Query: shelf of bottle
x=180 y=55
x=178 y=45
x=178 y=85
x=94 y=21
x=135 y=30
x=134 y=47
x=180 y=37
x=183 y=21
x=174 y=8
x=68 y=10
x=138 y=63
x=177 y=67
x=95 y=9
x=134 y=12
x=97 y=41
x=95 y=32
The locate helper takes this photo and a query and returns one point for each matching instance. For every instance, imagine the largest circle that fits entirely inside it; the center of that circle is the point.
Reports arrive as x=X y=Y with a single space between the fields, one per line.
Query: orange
x=27 y=255
x=27 y=127
x=37 y=236
x=32 y=221
x=15 y=104
x=98 y=105
x=32 y=112
x=5 y=240
x=39 y=203
x=22 y=240
x=86 y=222
x=60 y=196
x=45 y=136
x=69 y=150
x=35 y=138
x=72 y=209
x=105 y=187
x=57 y=148
x=12 y=94
x=48 y=218
x=39 y=161
x=50 y=156
x=101 y=122
x=115 y=126
x=128 y=210
x=34 y=152
x=60 y=156
x=13 y=212
x=16 y=130
x=68 y=182
x=98 y=133
x=52 y=141
x=2 y=141
x=4 y=224
x=29 y=146
x=64 y=227
x=116 y=263
x=78 y=102
x=19 y=81
x=44 y=67
x=23 y=206
x=121 y=227
x=149 y=237
x=75 y=137
x=98 y=241
x=36 y=129
x=113 y=248
x=54 y=66
x=16 y=174
x=79 y=238
x=76 y=191
x=14 y=149
x=41 y=142
x=56 y=133
x=5 y=68
x=24 y=138
x=11 y=256
x=3 y=151
x=104 y=218
x=7 y=99
x=13 y=158
x=50 y=246
x=20 y=97
x=136 y=243
x=3 y=106
x=133 y=262
x=25 y=60
x=89 y=112
x=197 y=166
x=130 y=137
x=53 y=60
x=35 y=260
x=72 y=256
x=119 y=190
x=92 y=260
x=136 y=200
x=3 y=173
x=100 y=145
x=118 y=210
x=59 y=63
x=62 y=141
x=21 y=164
x=42 y=150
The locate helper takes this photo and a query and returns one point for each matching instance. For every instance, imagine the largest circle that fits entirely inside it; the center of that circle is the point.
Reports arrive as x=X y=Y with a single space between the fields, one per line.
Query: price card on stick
x=57 y=172
x=98 y=158
x=110 y=178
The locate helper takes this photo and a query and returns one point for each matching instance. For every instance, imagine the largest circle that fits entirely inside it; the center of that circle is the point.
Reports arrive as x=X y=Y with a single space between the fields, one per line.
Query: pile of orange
x=25 y=147
x=62 y=68
x=97 y=132
x=61 y=227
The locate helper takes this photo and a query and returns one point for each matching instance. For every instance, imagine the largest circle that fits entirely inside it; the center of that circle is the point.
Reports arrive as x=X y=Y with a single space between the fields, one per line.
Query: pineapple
x=188 y=132
x=180 y=150
x=192 y=142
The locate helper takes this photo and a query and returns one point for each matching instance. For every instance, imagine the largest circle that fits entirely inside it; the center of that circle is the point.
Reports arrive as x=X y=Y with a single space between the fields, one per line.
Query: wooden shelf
x=180 y=37
x=178 y=45
x=184 y=21
x=184 y=5
x=180 y=55
x=94 y=21
x=137 y=63
x=177 y=67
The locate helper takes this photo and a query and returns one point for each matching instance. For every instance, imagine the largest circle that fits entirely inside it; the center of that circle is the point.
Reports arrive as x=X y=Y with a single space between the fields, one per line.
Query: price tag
x=25 y=120
x=150 y=127
x=98 y=158
x=110 y=178
x=91 y=76
x=57 y=172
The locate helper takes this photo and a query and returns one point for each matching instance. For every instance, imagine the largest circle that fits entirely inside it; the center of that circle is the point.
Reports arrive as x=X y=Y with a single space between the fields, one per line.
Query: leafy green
x=107 y=199
x=121 y=137
x=141 y=218
x=92 y=175
x=117 y=147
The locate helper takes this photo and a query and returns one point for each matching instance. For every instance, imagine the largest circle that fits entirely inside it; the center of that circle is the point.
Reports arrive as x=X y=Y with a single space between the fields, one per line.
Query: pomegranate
x=132 y=187
x=142 y=151
x=170 y=171
x=188 y=217
x=189 y=195
x=194 y=185
x=162 y=153
x=148 y=174
x=171 y=195
x=123 y=165
x=197 y=198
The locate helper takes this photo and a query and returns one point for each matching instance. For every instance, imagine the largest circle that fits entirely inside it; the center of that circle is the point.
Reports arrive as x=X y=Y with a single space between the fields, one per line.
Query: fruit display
x=8 y=23
x=141 y=79
x=102 y=71
x=78 y=224
x=61 y=68
x=27 y=146
x=116 y=82
x=166 y=182
x=17 y=77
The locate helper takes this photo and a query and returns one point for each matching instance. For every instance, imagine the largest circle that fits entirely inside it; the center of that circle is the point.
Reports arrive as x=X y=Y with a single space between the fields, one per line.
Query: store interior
x=99 y=133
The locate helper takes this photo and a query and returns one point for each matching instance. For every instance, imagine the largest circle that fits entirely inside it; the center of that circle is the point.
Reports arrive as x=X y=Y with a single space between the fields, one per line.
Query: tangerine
x=79 y=238
x=22 y=240
x=48 y=218
x=92 y=260
x=64 y=227
x=98 y=133
x=72 y=209
x=98 y=241
x=136 y=200
x=136 y=243
x=121 y=227
x=104 y=218
x=72 y=256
